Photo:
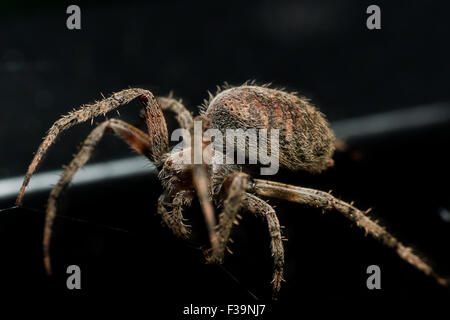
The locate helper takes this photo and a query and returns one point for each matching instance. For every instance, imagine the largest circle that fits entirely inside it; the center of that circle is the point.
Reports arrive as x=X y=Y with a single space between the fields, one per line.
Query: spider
x=306 y=143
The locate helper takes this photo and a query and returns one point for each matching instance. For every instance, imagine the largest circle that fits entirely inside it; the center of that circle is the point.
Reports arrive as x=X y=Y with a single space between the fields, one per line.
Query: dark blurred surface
x=321 y=49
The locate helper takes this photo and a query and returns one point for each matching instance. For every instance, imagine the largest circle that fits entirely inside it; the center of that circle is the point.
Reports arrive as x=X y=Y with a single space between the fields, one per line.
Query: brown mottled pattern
x=306 y=141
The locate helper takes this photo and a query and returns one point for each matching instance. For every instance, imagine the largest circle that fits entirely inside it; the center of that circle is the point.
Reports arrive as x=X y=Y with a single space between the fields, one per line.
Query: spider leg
x=201 y=184
x=182 y=115
x=326 y=201
x=234 y=185
x=263 y=209
x=201 y=181
x=174 y=218
x=134 y=137
x=90 y=111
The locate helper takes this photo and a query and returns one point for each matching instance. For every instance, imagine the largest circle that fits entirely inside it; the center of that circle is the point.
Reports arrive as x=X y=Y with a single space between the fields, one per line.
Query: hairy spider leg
x=134 y=137
x=90 y=111
x=260 y=207
x=174 y=218
x=182 y=115
x=201 y=180
x=234 y=186
x=326 y=201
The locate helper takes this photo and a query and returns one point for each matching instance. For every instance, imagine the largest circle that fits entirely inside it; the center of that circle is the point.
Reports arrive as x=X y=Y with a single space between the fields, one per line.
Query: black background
x=321 y=49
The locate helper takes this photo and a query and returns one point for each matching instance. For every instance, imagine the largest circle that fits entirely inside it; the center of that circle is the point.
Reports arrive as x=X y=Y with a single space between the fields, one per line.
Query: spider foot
x=445 y=282
x=181 y=231
x=276 y=282
x=212 y=257
x=173 y=218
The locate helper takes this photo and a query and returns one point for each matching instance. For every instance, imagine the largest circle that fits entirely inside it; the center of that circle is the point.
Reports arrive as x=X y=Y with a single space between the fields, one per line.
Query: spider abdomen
x=305 y=140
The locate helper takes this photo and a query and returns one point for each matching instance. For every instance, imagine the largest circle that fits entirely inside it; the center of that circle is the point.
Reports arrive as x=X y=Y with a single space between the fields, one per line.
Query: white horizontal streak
x=391 y=121
x=90 y=173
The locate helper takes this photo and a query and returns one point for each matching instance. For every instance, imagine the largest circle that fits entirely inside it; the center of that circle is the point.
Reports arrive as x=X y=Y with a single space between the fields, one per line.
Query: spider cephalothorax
x=305 y=143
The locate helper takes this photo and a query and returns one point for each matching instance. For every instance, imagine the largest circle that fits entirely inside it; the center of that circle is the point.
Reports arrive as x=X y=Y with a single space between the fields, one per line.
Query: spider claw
x=212 y=258
x=276 y=283
x=443 y=282
x=48 y=266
